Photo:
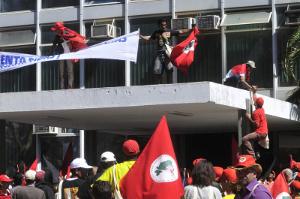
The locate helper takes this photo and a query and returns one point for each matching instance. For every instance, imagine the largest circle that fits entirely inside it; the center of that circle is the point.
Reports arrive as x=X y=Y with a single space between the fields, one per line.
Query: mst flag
x=280 y=188
x=182 y=55
x=155 y=174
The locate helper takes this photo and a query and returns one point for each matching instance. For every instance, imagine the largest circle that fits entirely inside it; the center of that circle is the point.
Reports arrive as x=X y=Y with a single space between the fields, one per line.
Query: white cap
x=30 y=175
x=107 y=156
x=79 y=163
x=251 y=64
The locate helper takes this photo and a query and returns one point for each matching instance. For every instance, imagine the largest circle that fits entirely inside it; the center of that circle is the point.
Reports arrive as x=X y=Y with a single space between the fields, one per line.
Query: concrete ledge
x=190 y=107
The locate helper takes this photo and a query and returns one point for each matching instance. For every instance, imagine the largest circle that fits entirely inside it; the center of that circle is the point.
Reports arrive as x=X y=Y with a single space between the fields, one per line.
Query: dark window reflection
x=103 y=1
x=16 y=5
x=58 y=3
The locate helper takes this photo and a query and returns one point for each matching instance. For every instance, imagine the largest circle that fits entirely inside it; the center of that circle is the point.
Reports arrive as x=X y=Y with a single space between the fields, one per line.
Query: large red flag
x=155 y=174
x=280 y=188
x=182 y=55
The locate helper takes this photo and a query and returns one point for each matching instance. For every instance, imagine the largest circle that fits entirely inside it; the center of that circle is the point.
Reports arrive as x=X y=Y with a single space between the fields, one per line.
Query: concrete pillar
x=2 y=146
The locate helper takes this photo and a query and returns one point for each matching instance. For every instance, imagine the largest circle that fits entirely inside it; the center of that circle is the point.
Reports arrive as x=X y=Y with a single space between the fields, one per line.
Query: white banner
x=122 y=48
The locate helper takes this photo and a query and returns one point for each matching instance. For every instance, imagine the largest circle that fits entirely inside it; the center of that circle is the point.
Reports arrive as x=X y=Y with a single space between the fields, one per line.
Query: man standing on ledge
x=162 y=61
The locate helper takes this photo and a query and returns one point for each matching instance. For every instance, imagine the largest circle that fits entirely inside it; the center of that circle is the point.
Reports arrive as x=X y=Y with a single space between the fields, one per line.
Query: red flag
x=155 y=174
x=182 y=55
x=280 y=188
x=34 y=165
x=65 y=169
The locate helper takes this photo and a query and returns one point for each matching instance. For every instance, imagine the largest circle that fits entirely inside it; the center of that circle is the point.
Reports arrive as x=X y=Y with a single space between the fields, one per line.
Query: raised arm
x=248 y=86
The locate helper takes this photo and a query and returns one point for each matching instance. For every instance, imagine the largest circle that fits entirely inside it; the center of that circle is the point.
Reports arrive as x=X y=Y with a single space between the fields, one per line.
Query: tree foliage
x=292 y=55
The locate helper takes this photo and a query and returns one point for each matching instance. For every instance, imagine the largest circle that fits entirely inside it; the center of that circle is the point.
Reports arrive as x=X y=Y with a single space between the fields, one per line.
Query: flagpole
x=174 y=78
x=81 y=80
x=223 y=43
x=274 y=49
x=38 y=77
x=127 y=30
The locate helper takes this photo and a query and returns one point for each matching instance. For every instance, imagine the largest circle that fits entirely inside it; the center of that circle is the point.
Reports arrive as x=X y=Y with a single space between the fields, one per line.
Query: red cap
x=131 y=147
x=230 y=175
x=294 y=164
x=259 y=101
x=197 y=161
x=58 y=26
x=39 y=176
x=218 y=172
x=248 y=161
x=245 y=161
x=5 y=178
x=296 y=184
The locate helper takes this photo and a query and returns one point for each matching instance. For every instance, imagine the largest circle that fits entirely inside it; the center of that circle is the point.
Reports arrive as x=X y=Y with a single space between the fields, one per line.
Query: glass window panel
x=58 y=3
x=16 y=5
x=104 y=73
x=22 y=79
x=89 y=2
x=50 y=71
x=246 y=18
x=16 y=38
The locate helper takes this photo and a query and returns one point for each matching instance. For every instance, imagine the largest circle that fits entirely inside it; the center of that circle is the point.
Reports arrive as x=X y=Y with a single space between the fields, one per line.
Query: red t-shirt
x=4 y=194
x=241 y=71
x=260 y=119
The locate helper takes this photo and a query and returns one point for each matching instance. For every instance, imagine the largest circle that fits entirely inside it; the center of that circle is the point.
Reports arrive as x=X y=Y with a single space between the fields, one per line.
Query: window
x=89 y=2
x=17 y=38
x=246 y=18
x=58 y=3
x=16 y=5
x=22 y=79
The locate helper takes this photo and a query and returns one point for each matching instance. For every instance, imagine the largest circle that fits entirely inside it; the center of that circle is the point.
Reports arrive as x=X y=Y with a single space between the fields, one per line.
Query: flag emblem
x=164 y=169
x=283 y=195
x=189 y=47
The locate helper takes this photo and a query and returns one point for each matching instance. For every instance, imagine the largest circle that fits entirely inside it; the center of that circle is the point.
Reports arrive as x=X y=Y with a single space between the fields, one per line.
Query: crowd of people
x=205 y=181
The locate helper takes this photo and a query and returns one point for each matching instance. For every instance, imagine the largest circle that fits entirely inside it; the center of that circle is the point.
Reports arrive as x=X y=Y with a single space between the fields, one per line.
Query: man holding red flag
x=182 y=55
x=162 y=63
x=155 y=175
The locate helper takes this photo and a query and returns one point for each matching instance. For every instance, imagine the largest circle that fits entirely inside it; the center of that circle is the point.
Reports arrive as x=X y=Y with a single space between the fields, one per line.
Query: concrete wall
x=136 y=8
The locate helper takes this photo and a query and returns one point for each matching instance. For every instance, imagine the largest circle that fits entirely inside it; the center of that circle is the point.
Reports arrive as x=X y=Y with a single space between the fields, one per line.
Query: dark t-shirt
x=57 y=45
x=46 y=188
x=70 y=187
x=161 y=41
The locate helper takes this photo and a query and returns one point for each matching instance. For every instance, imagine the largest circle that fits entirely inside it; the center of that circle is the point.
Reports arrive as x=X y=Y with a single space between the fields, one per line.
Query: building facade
x=25 y=28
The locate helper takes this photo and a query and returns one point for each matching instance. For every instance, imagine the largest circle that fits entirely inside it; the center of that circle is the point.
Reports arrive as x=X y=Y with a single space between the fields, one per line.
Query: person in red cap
x=260 y=133
x=4 y=184
x=229 y=183
x=65 y=41
x=219 y=172
x=115 y=173
x=248 y=171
